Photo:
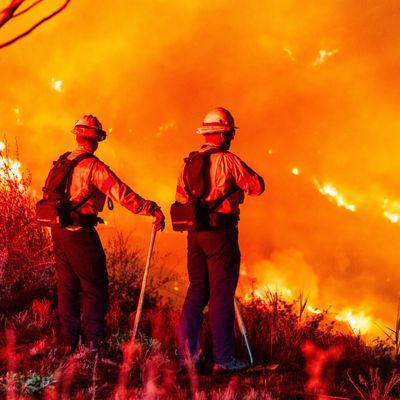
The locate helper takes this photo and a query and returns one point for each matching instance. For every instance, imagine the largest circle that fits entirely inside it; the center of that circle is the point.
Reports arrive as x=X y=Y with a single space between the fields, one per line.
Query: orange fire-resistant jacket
x=91 y=173
x=226 y=170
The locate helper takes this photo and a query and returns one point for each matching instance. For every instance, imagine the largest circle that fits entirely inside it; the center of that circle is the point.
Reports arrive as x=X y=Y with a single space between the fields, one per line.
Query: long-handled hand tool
x=243 y=332
x=143 y=288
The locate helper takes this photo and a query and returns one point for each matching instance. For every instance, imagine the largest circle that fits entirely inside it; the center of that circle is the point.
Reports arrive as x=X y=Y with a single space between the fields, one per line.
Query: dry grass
x=374 y=388
x=149 y=368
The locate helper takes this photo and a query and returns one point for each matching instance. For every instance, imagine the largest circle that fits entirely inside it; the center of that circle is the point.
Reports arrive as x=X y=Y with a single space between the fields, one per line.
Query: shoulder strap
x=202 y=173
x=81 y=157
x=73 y=163
x=221 y=199
x=184 y=175
x=207 y=154
x=76 y=161
x=63 y=180
x=84 y=200
x=63 y=156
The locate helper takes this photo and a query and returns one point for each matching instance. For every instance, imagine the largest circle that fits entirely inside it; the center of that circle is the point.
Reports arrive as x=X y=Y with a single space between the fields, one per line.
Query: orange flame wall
x=312 y=86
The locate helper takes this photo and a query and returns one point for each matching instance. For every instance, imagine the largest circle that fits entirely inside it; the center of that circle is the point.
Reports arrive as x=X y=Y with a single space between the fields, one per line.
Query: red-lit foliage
x=320 y=366
x=26 y=262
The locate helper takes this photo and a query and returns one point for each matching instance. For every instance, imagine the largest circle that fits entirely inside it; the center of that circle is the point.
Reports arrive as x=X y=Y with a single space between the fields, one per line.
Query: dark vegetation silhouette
x=16 y=8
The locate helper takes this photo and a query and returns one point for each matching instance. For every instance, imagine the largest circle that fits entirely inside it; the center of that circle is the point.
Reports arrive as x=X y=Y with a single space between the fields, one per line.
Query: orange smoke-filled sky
x=312 y=85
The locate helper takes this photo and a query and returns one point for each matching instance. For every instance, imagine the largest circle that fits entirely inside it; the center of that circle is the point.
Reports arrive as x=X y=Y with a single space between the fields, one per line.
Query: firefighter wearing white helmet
x=80 y=259
x=213 y=249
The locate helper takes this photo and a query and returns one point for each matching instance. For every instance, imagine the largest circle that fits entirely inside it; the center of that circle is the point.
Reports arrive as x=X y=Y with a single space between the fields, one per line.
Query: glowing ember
x=164 y=128
x=323 y=55
x=331 y=192
x=359 y=323
x=17 y=112
x=290 y=54
x=295 y=171
x=56 y=85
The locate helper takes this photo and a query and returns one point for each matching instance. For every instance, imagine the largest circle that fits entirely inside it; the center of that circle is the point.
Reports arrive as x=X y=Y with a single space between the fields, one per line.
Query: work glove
x=159 y=219
x=154 y=210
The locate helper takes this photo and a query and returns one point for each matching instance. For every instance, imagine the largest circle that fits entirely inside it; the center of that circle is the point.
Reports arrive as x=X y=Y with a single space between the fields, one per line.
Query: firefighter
x=213 y=257
x=80 y=259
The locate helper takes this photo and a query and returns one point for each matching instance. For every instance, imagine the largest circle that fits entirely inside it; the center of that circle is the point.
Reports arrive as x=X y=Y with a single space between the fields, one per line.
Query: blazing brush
x=143 y=288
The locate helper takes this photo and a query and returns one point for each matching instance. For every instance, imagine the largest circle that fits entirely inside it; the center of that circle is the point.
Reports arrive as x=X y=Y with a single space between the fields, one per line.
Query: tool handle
x=143 y=288
x=243 y=331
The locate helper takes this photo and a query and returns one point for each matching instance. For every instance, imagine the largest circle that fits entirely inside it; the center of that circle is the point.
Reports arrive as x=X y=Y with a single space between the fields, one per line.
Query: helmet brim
x=93 y=134
x=212 y=130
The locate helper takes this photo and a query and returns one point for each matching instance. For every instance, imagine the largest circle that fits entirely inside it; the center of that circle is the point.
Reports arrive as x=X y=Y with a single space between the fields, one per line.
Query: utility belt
x=196 y=215
x=222 y=221
x=85 y=220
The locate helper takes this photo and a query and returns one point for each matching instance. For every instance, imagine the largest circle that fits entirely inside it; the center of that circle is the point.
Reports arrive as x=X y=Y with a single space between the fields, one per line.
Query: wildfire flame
x=313 y=310
x=9 y=168
x=323 y=56
x=391 y=210
x=359 y=323
x=332 y=193
x=392 y=217
x=259 y=293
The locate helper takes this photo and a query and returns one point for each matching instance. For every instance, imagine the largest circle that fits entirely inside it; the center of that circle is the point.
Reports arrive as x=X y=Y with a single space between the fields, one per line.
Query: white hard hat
x=89 y=127
x=217 y=120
